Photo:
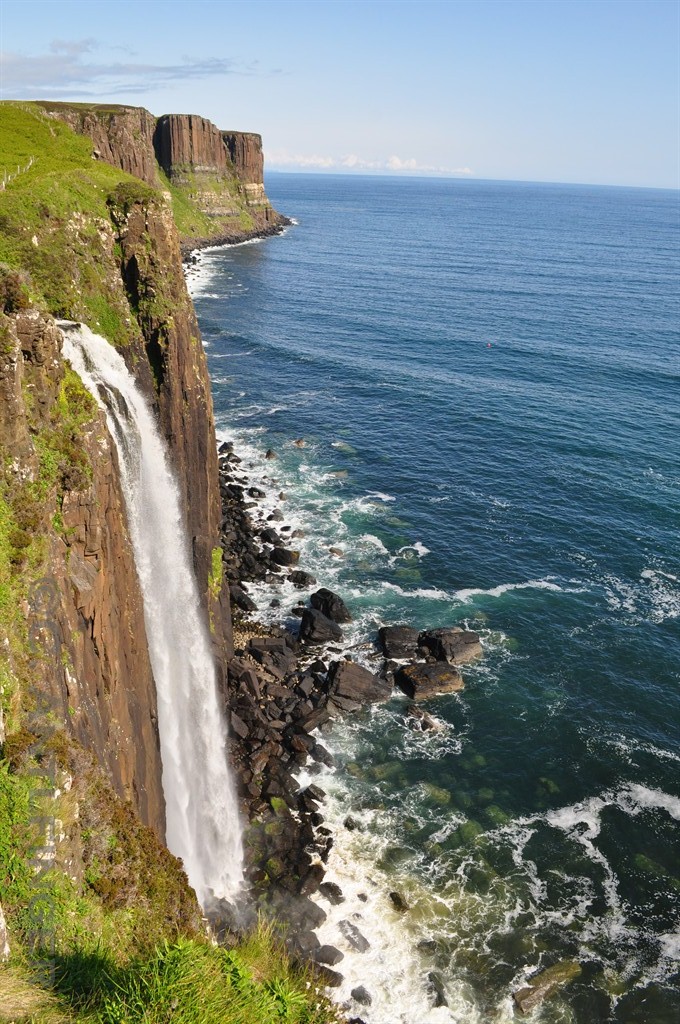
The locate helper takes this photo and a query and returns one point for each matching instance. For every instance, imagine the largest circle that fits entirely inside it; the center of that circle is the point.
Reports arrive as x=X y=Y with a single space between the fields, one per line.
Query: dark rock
x=270 y=536
x=241 y=599
x=348 y=681
x=332 y=606
x=329 y=978
x=285 y=556
x=316 y=628
x=361 y=995
x=298 y=611
x=422 y=681
x=276 y=516
x=238 y=725
x=327 y=955
x=354 y=937
x=255 y=492
x=420 y=720
x=398 y=641
x=301 y=579
x=435 y=986
x=314 y=719
x=270 y=454
x=457 y=646
x=332 y=892
x=351 y=824
x=399 y=903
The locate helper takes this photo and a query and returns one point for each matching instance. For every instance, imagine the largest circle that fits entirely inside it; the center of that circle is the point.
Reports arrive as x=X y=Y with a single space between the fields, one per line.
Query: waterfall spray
x=201 y=809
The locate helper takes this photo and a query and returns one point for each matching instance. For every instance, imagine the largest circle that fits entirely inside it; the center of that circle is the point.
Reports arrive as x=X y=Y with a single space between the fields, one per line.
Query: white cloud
x=70 y=69
x=352 y=162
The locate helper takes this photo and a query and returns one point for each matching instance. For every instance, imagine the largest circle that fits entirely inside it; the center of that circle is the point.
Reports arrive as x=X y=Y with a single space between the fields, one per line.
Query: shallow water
x=485 y=377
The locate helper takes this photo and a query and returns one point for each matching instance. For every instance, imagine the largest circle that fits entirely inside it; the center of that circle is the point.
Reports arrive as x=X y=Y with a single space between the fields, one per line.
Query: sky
x=533 y=90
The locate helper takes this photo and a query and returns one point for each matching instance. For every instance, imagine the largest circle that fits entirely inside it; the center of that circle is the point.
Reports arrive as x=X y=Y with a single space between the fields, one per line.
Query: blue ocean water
x=484 y=376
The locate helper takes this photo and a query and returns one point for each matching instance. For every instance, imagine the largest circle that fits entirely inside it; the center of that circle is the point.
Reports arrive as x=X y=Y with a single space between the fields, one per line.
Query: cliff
x=82 y=240
x=215 y=179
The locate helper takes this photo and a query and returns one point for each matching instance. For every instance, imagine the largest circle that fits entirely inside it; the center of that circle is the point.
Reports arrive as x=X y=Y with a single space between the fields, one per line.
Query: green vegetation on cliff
x=103 y=926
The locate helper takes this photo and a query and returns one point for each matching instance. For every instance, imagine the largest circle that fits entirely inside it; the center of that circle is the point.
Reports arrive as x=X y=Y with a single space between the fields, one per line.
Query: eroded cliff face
x=122 y=135
x=221 y=173
x=112 y=261
x=86 y=647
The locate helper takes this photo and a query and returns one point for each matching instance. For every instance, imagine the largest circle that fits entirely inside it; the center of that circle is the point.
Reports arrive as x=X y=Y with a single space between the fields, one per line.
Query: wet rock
x=270 y=536
x=270 y=454
x=256 y=492
x=544 y=985
x=457 y=646
x=316 y=628
x=332 y=892
x=329 y=978
x=399 y=903
x=351 y=824
x=361 y=995
x=436 y=990
x=331 y=605
x=354 y=937
x=328 y=955
x=285 y=556
x=338 y=552
x=301 y=579
x=421 y=721
x=349 y=682
x=241 y=599
x=398 y=641
x=422 y=681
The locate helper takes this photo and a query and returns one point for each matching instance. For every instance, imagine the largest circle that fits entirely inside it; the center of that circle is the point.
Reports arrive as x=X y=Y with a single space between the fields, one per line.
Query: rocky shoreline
x=285 y=685
x=191 y=246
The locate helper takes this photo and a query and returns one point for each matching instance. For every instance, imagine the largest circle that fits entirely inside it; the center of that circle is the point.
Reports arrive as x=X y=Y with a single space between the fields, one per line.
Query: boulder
x=301 y=579
x=284 y=556
x=422 y=681
x=332 y=892
x=398 y=902
x=457 y=646
x=361 y=995
x=348 y=681
x=241 y=599
x=398 y=641
x=354 y=937
x=328 y=955
x=317 y=628
x=332 y=606
x=546 y=984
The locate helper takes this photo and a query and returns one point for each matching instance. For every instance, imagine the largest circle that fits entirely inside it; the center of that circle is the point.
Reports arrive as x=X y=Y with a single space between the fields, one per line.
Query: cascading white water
x=203 y=825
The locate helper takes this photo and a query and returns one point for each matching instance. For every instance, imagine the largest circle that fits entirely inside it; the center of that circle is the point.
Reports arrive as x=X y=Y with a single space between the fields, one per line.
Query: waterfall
x=203 y=825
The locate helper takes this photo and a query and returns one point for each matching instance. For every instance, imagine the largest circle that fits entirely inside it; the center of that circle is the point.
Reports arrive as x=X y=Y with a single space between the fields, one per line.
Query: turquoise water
x=485 y=376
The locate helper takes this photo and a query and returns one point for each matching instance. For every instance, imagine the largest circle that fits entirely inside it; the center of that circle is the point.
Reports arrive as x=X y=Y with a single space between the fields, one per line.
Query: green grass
x=54 y=218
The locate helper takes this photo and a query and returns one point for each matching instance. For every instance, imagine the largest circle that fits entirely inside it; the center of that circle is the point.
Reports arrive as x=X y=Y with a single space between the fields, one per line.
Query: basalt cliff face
x=88 y=234
x=221 y=173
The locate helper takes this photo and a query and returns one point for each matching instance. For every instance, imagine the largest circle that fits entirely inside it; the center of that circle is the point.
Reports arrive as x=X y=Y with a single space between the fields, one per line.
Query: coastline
x=190 y=246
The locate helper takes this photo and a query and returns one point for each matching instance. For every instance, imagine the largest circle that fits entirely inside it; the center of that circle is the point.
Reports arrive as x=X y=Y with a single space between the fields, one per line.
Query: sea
x=472 y=390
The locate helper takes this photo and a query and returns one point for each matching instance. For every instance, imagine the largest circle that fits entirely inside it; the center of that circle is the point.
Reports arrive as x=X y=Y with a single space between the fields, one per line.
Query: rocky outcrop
x=185 y=143
x=122 y=135
x=245 y=150
x=221 y=173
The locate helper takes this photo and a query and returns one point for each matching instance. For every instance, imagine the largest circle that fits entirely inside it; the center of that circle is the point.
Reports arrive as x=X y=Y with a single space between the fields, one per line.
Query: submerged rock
x=544 y=985
x=422 y=681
